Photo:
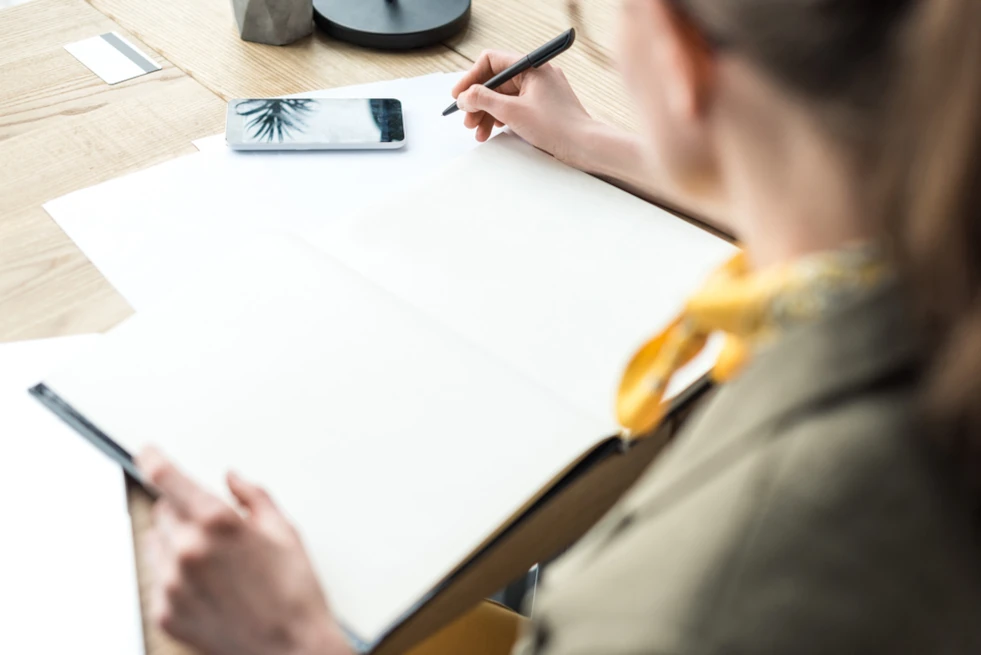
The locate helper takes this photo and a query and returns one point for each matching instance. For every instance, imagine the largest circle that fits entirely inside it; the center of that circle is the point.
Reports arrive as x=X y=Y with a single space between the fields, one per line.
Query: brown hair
x=934 y=212
x=898 y=83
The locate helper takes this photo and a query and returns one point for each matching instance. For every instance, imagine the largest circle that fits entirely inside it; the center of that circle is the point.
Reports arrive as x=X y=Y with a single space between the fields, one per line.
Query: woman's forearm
x=618 y=156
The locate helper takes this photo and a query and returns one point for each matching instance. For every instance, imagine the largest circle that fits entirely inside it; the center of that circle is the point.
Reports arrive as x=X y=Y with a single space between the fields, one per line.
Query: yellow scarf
x=751 y=309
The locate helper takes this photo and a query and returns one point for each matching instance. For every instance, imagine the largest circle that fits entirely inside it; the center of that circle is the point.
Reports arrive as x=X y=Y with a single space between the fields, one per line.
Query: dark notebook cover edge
x=88 y=431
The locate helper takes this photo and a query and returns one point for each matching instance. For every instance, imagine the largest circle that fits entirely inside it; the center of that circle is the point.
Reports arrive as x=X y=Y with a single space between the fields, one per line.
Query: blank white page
x=396 y=446
x=136 y=227
x=559 y=273
x=67 y=571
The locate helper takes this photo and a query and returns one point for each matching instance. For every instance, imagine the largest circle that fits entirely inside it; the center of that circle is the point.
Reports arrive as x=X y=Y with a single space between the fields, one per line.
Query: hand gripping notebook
x=418 y=387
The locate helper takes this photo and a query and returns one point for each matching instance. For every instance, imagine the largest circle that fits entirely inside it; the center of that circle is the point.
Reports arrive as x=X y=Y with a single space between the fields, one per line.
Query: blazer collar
x=860 y=344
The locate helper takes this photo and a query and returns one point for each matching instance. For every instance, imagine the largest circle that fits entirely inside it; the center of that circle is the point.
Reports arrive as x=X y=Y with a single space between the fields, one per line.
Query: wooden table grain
x=63 y=129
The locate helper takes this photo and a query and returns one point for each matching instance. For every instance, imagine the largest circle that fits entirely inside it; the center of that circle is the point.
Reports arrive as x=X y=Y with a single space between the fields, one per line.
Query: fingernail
x=461 y=103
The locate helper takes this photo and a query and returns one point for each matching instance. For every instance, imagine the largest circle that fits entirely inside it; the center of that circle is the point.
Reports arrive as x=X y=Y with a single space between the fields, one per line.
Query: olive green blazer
x=801 y=511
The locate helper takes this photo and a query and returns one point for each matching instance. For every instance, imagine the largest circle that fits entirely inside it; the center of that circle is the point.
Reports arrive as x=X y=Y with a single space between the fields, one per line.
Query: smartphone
x=314 y=124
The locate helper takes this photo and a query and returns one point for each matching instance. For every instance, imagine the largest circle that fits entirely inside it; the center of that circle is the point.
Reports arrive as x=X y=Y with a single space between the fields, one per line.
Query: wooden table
x=62 y=128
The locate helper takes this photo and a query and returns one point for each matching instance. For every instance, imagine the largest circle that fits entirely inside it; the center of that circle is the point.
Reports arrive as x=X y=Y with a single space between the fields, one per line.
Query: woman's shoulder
x=861 y=517
x=865 y=463
x=834 y=530
x=847 y=520
x=847 y=474
x=839 y=531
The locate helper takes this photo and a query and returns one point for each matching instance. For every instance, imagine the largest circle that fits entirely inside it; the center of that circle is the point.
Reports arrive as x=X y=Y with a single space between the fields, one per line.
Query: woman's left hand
x=230 y=582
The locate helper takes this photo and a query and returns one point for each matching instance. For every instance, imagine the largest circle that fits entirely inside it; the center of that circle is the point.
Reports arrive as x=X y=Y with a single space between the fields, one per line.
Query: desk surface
x=62 y=128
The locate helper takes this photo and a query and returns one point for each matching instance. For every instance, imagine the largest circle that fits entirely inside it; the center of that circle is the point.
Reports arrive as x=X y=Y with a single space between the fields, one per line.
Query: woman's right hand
x=539 y=105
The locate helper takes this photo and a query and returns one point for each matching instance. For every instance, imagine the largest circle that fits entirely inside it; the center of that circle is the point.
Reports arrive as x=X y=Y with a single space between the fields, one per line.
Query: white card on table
x=112 y=57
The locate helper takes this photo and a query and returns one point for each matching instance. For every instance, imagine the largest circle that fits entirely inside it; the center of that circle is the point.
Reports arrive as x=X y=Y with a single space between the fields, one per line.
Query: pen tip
x=449 y=110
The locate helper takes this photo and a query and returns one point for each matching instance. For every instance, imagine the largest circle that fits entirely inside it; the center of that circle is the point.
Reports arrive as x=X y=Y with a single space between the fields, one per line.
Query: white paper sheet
x=143 y=230
x=292 y=369
x=560 y=274
x=67 y=570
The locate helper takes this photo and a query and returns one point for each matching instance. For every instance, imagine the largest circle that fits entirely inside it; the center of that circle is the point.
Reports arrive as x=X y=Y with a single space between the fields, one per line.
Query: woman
x=824 y=500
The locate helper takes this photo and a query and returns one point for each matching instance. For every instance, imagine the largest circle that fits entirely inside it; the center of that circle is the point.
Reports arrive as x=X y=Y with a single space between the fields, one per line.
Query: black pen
x=543 y=55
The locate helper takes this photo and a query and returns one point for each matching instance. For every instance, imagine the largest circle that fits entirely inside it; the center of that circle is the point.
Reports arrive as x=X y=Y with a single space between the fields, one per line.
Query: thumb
x=480 y=98
x=251 y=496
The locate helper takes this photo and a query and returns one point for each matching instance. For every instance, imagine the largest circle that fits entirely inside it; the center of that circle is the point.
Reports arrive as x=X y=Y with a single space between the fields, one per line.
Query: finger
x=154 y=550
x=498 y=124
x=171 y=609
x=187 y=498
x=262 y=509
x=173 y=547
x=162 y=580
x=169 y=601
x=485 y=128
x=472 y=120
x=166 y=522
x=489 y=64
x=182 y=543
x=160 y=611
x=479 y=98
x=252 y=497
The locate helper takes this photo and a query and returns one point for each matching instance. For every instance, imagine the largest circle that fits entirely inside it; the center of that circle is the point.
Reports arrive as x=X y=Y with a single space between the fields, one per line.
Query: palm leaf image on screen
x=274 y=118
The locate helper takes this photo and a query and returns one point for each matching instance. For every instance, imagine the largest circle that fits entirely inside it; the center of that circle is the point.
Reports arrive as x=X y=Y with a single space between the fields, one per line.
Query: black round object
x=392 y=24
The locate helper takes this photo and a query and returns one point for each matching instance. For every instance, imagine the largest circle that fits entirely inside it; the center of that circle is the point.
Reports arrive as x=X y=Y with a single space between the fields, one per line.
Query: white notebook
x=408 y=382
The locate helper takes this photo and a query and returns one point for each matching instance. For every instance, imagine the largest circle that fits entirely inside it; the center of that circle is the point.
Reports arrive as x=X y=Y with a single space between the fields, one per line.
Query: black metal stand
x=392 y=24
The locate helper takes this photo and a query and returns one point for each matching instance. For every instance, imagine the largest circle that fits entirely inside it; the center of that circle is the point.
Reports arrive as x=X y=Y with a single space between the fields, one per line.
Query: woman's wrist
x=608 y=152
x=618 y=156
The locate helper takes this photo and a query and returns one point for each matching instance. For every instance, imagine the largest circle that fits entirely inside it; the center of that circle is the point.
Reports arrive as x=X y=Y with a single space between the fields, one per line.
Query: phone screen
x=314 y=123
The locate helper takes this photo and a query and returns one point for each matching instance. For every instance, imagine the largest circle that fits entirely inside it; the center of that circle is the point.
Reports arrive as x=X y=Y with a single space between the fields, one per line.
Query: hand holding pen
x=535 y=59
x=538 y=105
